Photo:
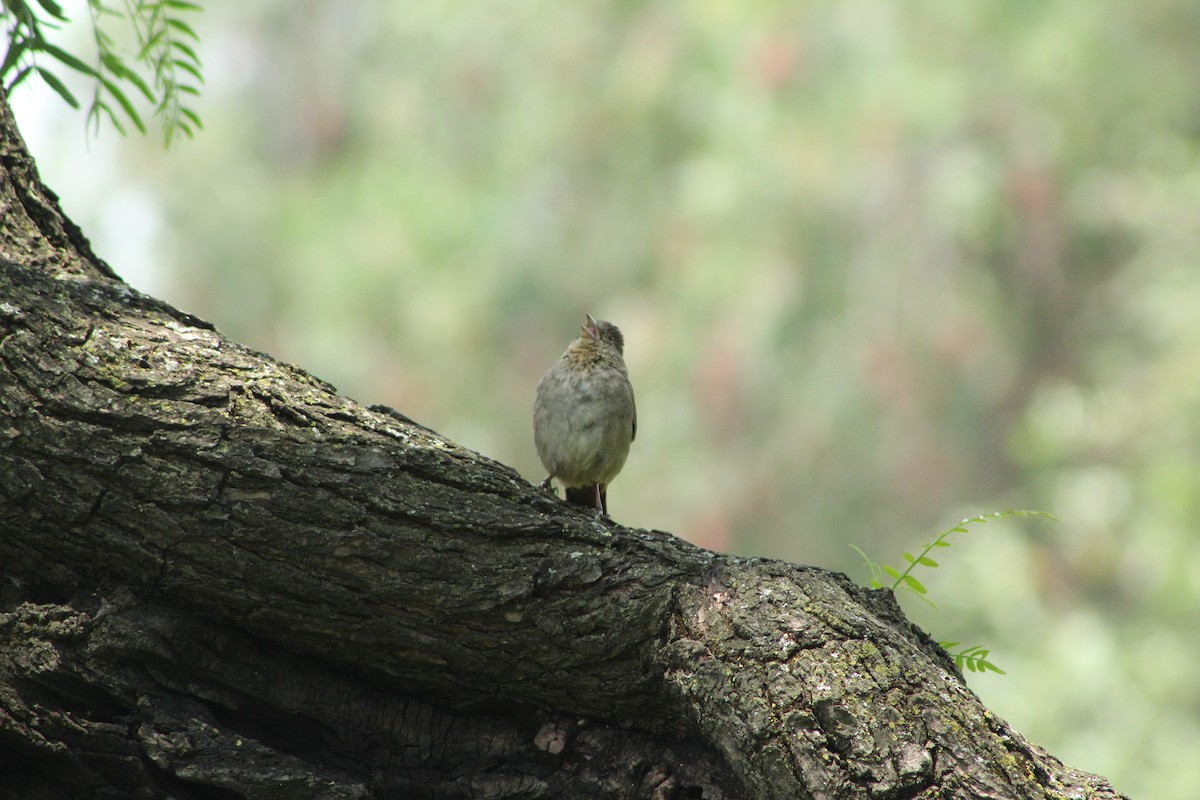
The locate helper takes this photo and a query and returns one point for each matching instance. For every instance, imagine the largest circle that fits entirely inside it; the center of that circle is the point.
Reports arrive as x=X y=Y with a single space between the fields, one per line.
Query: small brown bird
x=584 y=418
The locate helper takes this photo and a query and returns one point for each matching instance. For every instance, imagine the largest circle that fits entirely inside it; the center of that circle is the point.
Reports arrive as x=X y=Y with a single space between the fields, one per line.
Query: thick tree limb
x=221 y=579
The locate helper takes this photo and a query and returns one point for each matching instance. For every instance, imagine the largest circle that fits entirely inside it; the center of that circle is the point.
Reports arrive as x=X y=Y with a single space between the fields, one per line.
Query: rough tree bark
x=223 y=580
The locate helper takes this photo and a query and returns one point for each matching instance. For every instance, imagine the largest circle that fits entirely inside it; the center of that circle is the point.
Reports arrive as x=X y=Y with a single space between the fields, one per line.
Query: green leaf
x=53 y=9
x=926 y=561
x=128 y=108
x=137 y=81
x=151 y=44
x=895 y=573
x=186 y=49
x=68 y=59
x=57 y=85
x=101 y=10
x=23 y=15
x=973 y=658
x=117 y=67
x=16 y=49
x=182 y=27
x=20 y=76
x=114 y=63
x=186 y=67
x=182 y=5
x=115 y=120
x=94 y=117
x=915 y=584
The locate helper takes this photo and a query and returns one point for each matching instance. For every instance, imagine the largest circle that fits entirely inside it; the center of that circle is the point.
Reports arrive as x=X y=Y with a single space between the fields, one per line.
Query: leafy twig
x=975 y=657
x=906 y=579
x=163 y=38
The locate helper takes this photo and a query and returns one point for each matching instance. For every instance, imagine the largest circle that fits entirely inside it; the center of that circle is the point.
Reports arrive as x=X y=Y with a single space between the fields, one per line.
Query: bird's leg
x=602 y=493
x=545 y=485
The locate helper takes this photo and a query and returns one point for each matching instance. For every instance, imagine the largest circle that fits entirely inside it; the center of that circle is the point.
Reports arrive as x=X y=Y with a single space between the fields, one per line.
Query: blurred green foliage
x=160 y=43
x=879 y=267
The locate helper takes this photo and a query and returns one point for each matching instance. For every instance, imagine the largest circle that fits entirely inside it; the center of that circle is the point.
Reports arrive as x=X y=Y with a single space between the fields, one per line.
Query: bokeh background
x=880 y=267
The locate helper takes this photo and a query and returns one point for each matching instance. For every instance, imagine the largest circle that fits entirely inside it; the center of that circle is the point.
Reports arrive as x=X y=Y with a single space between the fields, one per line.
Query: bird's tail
x=590 y=496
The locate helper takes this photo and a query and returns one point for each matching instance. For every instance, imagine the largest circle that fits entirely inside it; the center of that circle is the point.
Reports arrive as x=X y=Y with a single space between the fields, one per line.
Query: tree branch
x=222 y=579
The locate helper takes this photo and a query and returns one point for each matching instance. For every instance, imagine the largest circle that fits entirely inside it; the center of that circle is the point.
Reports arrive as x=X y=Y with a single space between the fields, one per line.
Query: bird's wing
x=633 y=435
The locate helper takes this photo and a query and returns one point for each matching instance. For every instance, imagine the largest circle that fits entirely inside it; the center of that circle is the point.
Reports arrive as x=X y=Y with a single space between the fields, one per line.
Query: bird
x=584 y=416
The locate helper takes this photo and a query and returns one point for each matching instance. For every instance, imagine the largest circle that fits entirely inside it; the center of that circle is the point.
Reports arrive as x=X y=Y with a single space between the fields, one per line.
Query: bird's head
x=601 y=331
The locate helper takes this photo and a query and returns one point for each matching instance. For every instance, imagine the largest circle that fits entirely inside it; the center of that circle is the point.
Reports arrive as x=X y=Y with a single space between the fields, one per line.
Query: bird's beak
x=591 y=329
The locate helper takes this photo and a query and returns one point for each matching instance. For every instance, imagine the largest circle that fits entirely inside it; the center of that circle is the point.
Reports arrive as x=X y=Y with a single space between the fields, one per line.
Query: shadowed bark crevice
x=142 y=695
